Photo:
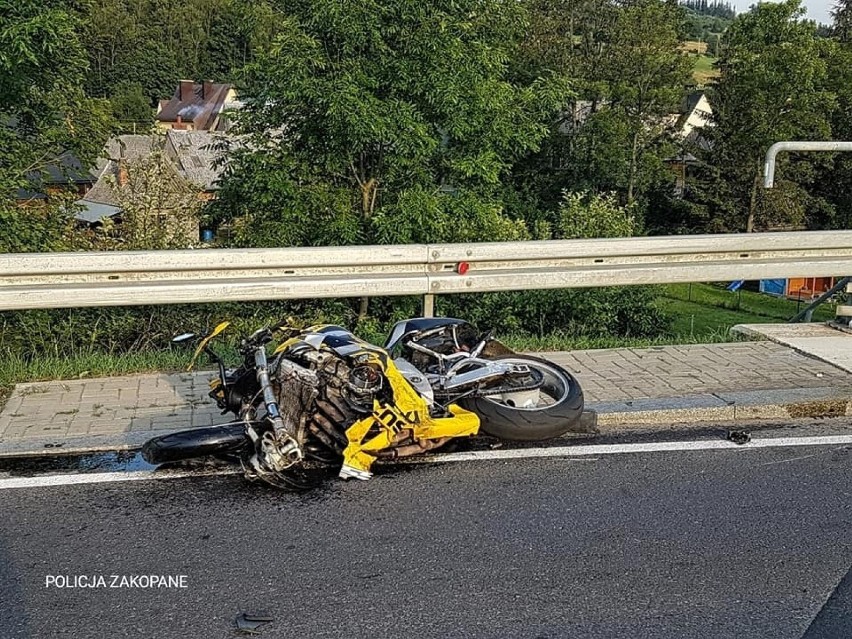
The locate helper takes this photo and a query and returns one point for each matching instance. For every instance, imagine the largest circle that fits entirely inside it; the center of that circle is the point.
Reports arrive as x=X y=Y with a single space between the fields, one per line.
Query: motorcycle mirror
x=204 y=342
x=183 y=337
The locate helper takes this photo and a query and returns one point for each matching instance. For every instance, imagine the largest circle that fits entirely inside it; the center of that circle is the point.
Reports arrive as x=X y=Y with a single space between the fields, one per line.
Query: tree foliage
x=717 y=9
x=772 y=88
x=384 y=121
x=130 y=108
x=842 y=21
x=154 y=43
x=44 y=114
x=630 y=75
x=645 y=41
x=159 y=209
x=587 y=215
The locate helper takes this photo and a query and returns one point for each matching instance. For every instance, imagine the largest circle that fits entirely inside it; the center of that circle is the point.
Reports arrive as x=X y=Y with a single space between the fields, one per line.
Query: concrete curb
x=728 y=407
x=600 y=417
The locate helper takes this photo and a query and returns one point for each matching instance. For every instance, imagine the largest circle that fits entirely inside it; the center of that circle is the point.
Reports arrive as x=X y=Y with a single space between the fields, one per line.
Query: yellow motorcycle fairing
x=408 y=412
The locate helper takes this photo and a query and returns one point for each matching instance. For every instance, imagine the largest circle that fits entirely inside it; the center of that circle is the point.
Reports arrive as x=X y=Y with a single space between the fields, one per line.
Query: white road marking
x=650 y=447
x=42 y=481
x=582 y=451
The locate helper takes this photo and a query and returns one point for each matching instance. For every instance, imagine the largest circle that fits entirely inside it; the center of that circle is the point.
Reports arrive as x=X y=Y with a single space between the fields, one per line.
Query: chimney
x=186 y=92
x=207 y=89
x=122 y=163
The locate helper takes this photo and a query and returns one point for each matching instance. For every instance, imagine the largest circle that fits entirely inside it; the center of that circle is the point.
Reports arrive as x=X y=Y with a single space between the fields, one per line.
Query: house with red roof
x=198 y=106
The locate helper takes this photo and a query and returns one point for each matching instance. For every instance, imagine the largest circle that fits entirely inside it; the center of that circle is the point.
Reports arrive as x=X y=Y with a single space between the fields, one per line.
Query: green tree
x=131 y=109
x=647 y=74
x=388 y=121
x=147 y=42
x=43 y=114
x=629 y=74
x=587 y=215
x=772 y=87
x=834 y=180
x=595 y=312
x=159 y=209
x=842 y=20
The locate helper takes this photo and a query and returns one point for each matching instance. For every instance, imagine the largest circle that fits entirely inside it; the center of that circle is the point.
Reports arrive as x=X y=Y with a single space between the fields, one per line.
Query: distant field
x=693 y=46
x=703 y=70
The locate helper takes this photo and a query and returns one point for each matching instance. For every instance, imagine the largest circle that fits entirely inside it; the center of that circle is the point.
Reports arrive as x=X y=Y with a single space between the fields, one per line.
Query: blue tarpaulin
x=774 y=287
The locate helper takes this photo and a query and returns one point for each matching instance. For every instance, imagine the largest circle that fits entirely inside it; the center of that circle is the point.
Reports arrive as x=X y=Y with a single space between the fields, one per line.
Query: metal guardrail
x=844 y=312
x=57 y=280
x=806 y=145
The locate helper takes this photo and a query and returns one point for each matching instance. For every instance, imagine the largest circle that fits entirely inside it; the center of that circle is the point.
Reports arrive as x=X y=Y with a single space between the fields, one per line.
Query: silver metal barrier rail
x=122 y=278
x=844 y=312
x=638 y=260
x=56 y=280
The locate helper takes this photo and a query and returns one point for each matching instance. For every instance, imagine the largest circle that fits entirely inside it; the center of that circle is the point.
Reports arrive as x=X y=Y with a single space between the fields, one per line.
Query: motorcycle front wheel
x=530 y=415
x=198 y=442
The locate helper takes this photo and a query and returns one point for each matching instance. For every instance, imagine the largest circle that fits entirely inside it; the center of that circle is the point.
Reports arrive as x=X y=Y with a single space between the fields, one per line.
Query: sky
x=817 y=9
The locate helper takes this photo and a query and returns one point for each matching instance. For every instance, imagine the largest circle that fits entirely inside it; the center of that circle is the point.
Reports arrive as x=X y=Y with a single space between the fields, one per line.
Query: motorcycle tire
x=198 y=442
x=541 y=422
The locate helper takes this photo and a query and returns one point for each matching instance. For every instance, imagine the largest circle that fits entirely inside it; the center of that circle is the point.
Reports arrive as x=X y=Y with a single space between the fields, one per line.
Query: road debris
x=739 y=437
x=250 y=622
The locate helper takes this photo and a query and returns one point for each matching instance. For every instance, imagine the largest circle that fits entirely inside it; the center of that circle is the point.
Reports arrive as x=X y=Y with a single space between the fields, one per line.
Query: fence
x=55 y=280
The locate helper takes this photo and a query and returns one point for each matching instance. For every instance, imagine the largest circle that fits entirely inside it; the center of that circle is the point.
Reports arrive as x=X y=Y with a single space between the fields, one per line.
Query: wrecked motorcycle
x=325 y=395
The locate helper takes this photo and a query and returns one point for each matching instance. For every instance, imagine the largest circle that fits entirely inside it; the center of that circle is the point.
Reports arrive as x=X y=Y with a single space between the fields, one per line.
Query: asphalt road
x=732 y=543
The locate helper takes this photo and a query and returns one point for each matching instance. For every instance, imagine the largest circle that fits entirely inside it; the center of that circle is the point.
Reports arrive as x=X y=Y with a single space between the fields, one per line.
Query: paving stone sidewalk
x=131 y=407
x=676 y=371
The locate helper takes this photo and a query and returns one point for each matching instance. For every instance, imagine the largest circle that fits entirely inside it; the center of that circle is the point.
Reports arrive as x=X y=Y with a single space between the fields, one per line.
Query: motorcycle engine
x=352 y=387
x=361 y=387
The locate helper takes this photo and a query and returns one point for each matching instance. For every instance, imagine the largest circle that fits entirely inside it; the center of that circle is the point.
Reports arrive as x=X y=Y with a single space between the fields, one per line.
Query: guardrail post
x=428 y=305
x=844 y=311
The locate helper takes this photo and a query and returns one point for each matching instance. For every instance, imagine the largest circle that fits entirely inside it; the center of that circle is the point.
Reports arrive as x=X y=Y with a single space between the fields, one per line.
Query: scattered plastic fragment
x=739 y=436
x=250 y=622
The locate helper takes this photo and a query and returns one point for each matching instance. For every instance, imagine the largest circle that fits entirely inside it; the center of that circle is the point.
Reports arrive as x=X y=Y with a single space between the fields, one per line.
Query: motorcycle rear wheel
x=558 y=409
x=198 y=442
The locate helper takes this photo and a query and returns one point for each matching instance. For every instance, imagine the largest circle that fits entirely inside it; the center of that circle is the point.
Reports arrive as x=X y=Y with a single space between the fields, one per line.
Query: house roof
x=64 y=169
x=193 y=154
x=196 y=156
x=196 y=102
x=692 y=101
x=129 y=147
x=688 y=107
x=92 y=212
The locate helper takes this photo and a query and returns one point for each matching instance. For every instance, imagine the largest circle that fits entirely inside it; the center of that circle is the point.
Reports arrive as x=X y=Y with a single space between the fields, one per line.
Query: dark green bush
x=625 y=311
x=615 y=311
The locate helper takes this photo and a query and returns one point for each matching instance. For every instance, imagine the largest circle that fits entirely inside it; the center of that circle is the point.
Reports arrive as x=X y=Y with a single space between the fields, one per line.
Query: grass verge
x=15 y=369
x=564 y=342
x=748 y=304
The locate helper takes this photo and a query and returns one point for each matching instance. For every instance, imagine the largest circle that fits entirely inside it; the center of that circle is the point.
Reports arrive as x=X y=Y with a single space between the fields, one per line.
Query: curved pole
x=775 y=149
